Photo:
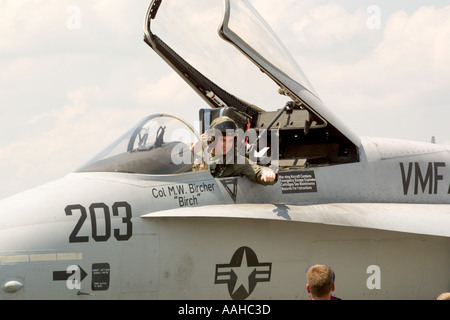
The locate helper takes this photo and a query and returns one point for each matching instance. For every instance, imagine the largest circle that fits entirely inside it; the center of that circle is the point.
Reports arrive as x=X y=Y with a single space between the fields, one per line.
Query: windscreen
x=160 y=144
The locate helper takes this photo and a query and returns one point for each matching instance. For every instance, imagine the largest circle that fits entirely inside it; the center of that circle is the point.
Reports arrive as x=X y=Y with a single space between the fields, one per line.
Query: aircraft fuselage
x=83 y=236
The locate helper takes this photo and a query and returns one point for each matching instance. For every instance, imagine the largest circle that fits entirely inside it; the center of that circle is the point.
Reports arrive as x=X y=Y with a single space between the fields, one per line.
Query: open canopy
x=191 y=40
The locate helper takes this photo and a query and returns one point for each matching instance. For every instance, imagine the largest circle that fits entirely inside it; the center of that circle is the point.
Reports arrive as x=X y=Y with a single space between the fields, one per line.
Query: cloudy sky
x=75 y=74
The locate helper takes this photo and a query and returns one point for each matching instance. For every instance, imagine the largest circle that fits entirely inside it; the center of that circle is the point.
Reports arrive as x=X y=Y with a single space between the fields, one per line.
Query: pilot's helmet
x=225 y=125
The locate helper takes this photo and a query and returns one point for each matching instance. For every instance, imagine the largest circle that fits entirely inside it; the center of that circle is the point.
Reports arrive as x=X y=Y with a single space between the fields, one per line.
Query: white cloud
x=67 y=113
x=26 y=22
x=169 y=89
x=385 y=90
x=415 y=49
x=118 y=16
x=421 y=40
x=327 y=24
x=74 y=134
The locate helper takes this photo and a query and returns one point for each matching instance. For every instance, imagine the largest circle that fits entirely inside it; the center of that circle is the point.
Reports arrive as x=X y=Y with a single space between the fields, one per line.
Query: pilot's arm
x=256 y=173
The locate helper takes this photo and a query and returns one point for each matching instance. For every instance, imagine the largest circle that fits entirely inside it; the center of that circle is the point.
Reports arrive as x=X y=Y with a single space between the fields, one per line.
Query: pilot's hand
x=268 y=175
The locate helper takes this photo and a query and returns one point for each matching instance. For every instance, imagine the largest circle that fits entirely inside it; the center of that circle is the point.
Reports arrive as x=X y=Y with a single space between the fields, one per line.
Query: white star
x=243 y=271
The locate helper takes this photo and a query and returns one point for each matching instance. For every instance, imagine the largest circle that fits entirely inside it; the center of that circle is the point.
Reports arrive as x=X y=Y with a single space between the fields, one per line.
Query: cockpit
x=210 y=45
x=160 y=144
x=269 y=94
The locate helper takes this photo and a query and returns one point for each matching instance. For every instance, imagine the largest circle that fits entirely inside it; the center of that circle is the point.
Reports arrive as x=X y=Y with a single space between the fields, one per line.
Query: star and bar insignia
x=243 y=273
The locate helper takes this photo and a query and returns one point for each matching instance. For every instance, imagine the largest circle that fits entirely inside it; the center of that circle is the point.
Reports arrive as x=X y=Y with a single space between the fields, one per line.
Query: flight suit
x=249 y=169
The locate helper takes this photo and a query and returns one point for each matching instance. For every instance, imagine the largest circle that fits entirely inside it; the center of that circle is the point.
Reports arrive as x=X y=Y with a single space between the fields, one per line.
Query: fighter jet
x=147 y=219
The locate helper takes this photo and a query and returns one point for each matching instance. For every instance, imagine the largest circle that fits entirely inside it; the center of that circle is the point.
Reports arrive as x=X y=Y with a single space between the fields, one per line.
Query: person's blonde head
x=444 y=296
x=320 y=281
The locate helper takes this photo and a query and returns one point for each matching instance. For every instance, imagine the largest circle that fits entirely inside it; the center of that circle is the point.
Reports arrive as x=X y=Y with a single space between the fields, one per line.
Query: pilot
x=223 y=161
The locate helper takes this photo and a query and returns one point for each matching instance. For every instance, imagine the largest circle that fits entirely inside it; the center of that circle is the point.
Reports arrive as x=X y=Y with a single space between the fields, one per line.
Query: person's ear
x=307 y=288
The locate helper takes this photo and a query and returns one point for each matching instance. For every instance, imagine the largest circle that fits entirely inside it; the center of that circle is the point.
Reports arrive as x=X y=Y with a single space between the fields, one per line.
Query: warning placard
x=100 y=276
x=297 y=181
